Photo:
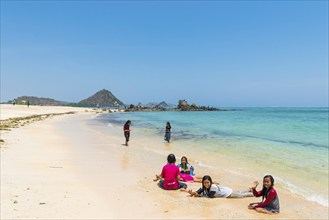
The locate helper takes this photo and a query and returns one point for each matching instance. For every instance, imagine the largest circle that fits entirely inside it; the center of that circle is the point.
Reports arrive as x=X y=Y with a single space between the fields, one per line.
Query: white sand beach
x=64 y=167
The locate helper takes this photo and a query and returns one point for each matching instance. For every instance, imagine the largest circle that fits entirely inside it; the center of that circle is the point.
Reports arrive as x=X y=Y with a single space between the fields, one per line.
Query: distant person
x=212 y=190
x=14 y=102
x=170 y=176
x=28 y=104
x=126 y=131
x=168 y=132
x=271 y=204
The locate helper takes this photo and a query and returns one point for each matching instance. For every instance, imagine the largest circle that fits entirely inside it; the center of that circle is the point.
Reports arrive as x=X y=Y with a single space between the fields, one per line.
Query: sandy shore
x=67 y=167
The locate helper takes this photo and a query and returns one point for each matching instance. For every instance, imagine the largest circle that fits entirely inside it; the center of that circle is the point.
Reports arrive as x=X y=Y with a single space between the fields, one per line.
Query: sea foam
x=305 y=193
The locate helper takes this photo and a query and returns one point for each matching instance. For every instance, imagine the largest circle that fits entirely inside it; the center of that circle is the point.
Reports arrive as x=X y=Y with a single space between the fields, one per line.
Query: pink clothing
x=170 y=173
x=186 y=177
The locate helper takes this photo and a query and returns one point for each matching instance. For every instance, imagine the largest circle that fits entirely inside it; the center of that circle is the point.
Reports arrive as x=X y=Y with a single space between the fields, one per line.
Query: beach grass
x=16 y=122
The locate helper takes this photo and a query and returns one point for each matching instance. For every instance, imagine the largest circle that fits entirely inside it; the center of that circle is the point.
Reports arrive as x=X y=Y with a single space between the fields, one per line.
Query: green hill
x=22 y=100
x=102 y=98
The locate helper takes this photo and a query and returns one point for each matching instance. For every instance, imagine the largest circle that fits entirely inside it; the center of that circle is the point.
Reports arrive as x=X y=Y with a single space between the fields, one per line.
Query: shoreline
x=70 y=167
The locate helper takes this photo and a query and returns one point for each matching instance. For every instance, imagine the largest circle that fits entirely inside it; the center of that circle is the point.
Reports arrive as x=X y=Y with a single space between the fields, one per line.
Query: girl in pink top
x=185 y=174
x=170 y=175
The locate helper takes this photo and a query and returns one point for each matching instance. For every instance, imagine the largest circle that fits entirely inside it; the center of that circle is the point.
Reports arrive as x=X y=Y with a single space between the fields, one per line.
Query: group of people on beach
x=173 y=176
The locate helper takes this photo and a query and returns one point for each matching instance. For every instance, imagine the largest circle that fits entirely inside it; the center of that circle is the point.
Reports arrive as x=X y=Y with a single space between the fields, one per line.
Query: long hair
x=265 y=190
x=128 y=122
x=206 y=177
x=168 y=125
x=185 y=166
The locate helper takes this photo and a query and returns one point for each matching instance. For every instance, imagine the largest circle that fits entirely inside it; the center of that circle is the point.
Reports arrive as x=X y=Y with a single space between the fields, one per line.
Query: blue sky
x=219 y=53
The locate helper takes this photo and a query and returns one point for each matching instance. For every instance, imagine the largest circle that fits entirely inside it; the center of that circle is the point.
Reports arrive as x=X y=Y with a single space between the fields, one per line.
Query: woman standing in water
x=126 y=131
x=168 y=132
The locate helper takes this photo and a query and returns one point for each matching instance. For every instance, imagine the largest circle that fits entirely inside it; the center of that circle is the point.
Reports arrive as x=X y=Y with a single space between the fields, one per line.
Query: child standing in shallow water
x=126 y=131
x=271 y=204
x=168 y=132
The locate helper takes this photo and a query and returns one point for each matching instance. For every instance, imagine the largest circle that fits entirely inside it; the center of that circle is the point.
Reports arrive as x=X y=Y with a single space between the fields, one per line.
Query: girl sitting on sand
x=186 y=172
x=271 y=204
x=212 y=190
x=170 y=175
x=184 y=166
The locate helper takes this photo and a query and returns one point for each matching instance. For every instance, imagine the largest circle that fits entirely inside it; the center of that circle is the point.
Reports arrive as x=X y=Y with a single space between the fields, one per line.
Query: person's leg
x=160 y=184
x=182 y=185
x=167 y=137
x=197 y=179
x=127 y=138
x=240 y=194
x=262 y=210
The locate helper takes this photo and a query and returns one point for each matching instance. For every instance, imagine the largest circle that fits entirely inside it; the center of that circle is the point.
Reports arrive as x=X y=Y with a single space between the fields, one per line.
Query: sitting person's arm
x=254 y=191
x=187 y=170
x=268 y=200
x=158 y=177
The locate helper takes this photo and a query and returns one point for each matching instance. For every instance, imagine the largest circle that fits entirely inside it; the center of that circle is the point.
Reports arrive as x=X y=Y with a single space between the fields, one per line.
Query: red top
x=170 y=173
x=126 y=128
x=270 y=197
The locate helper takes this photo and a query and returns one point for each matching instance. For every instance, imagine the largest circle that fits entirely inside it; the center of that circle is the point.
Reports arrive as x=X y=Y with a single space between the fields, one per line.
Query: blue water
x=294 y=142
x=305 y=127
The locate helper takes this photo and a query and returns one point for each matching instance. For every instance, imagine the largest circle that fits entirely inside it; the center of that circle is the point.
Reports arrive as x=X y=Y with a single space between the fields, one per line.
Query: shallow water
x=289 y=143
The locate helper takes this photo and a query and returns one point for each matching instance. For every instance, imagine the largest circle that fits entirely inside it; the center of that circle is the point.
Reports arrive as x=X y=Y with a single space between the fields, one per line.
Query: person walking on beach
x=28 y=104
x=271 y=204
x=170 y=176
x=212 y=190
x=126 y=131
x=168 y=132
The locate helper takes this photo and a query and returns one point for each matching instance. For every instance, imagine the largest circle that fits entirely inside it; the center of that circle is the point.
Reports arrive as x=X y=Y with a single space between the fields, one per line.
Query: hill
x=35 y=101
x=102 y=98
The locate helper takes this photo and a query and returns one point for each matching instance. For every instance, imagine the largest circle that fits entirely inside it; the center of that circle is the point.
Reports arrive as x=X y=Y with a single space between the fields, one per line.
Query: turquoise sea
x=289 y=143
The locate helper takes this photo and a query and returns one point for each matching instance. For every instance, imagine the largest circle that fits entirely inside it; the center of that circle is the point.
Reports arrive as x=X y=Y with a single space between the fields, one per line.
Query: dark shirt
x=126 y=129
x=204 y=192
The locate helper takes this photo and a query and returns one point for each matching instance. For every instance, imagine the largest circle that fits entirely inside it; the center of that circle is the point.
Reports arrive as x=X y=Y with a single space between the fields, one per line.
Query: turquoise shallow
x=290 y=143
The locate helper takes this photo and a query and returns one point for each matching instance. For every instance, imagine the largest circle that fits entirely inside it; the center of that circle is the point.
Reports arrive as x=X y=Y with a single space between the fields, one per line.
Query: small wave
x=240 y=173
x=93 y=116
x=156 y=151
x=202 y=164
x=109 y=125
x=305 y=193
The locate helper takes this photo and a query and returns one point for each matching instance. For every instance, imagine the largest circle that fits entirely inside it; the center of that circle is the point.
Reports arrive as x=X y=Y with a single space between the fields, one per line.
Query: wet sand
x=68 y=167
